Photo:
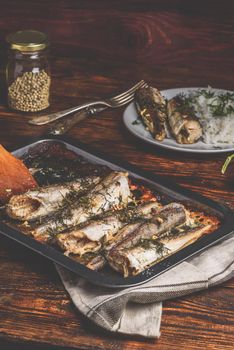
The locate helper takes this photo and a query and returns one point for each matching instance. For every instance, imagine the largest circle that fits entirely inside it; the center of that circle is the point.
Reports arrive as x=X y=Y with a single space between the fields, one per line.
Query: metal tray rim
x=119 y=282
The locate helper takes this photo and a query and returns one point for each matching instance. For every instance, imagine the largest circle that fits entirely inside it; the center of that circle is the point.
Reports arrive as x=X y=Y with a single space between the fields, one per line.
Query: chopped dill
x=151 y=244
x=85 y=202
x=220 y=104
x=136 y=122
x=184 y=104
x=207 y=93
x=131 y=214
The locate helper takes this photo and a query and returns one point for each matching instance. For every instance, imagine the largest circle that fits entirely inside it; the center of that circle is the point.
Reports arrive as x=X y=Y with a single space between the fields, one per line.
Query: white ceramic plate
x=130 y=116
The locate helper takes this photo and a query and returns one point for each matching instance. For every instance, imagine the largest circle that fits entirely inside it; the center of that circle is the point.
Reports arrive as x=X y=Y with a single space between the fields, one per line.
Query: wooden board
x=99 y=48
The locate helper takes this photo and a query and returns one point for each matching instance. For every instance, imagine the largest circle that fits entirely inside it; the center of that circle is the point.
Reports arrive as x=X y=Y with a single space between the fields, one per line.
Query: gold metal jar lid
x=28 y=40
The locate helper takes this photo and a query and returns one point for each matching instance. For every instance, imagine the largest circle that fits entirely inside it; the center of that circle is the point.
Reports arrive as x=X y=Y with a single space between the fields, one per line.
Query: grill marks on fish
x=151 y=107
x=184 y=125
x=38 y=203
x=111 y=193
x=104 y=231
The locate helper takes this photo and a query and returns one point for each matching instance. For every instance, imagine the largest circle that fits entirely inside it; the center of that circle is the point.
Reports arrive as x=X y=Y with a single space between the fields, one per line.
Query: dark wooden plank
x=34 y=306
x=97 y=49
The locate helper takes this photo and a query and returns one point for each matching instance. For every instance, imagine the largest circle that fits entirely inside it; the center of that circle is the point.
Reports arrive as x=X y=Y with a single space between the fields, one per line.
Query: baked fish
x=91 y=260
x=136 y=259
x=151 y=107
x=38 y=203
x=97 y=233
x=121 y=235
x=184 y=125
x=111 y=193
x=170 y=216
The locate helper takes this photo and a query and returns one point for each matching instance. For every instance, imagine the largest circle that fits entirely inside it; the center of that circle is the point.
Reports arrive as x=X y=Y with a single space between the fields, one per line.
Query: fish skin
x=94 y=263
x=137 y=259
x=105 y=229
x=84 y=247
x=185 y=127
x=113 y=191
x=146 y=210
x=121 y=235
x=169 y=216
x=151 y=107
x=41 y=202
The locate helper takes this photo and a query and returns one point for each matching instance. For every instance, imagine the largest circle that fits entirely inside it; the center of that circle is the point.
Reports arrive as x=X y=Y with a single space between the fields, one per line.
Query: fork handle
x=61 y=127
x=45 y=119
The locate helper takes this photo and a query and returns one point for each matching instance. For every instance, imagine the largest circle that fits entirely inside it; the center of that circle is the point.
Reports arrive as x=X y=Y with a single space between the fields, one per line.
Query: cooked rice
x=217 y=130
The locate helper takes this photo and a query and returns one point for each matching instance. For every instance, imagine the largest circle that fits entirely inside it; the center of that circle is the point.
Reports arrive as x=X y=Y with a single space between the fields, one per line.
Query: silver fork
x=113 y=102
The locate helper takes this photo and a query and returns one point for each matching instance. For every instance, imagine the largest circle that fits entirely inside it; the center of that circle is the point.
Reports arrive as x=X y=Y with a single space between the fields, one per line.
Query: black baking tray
x=161 y=185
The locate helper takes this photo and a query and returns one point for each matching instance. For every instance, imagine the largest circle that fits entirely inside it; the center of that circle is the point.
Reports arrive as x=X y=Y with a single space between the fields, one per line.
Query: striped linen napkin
x=138 y=310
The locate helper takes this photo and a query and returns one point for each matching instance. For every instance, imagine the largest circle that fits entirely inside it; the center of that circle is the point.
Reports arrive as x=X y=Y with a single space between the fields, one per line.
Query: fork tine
x=139 y=84
x=131 y=93
x=132 y=89
x=125 y=97
x=124 y=101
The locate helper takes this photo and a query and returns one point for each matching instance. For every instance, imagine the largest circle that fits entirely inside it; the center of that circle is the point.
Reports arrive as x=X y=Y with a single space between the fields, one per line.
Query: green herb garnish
x=136 y=122
x=184 y=104
x=226 y=163
x=221 y=104
x=207 y=93
x=152 y=244
x=130 y=215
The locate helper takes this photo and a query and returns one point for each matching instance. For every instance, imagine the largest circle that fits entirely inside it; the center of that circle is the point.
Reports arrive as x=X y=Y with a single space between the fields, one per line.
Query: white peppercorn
x=28 y=73
x=30 y=92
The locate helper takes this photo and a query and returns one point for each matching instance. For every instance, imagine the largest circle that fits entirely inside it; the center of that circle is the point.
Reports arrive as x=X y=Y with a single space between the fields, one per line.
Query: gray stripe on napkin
x=137 y=310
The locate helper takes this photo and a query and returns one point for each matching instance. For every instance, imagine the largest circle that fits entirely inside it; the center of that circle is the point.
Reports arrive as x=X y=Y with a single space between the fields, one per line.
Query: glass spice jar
x=27 y=73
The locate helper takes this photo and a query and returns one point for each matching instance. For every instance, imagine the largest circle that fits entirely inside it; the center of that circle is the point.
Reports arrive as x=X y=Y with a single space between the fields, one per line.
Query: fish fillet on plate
x=151 y=106
x=184 y=125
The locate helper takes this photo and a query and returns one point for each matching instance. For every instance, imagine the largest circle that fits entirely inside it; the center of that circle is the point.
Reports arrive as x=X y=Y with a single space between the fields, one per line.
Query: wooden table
x=99 y=48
